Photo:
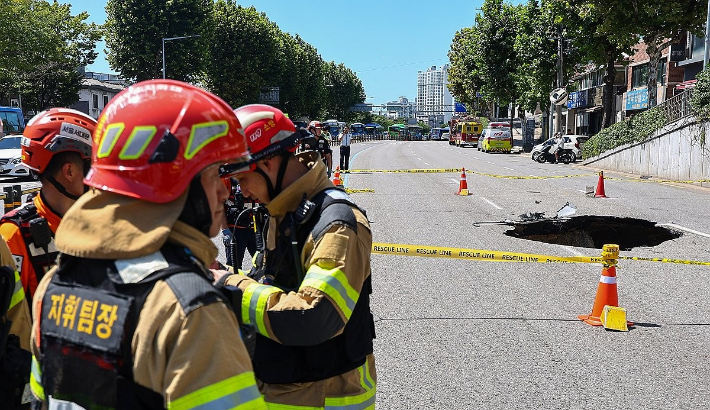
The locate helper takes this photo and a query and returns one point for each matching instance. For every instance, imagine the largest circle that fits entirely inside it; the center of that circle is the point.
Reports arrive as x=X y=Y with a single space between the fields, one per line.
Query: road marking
x=510 y=169
x=426 y=163
x=683 y=228
x=455 y=181
x=493 y=204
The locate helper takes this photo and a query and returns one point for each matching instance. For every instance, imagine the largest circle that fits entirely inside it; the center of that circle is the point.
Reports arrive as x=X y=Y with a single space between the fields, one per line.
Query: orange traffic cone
x=600 y=186
x=337 y=181
x=463 y=186
x=607 y=294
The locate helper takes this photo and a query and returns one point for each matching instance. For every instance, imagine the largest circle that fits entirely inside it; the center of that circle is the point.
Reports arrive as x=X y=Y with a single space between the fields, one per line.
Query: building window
x=639 y=75
x=105 y=100
x=95 y=101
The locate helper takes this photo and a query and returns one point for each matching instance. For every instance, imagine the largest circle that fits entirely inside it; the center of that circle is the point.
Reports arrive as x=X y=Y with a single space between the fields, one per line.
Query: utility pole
x=560 y=79
x=707 y=38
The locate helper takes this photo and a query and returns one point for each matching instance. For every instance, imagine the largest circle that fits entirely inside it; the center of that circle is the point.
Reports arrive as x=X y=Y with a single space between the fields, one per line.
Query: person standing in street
x=345 y=149
x=559 y=145
x=129 y=319
x=308 y=295
x=56 y=144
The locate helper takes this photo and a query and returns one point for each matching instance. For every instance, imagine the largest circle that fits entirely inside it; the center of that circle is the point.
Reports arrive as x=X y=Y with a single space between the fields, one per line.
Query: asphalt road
x=458 y=334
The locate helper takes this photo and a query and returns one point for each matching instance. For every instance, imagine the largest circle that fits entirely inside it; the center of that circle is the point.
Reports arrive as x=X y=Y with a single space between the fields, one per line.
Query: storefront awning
x=686 y=84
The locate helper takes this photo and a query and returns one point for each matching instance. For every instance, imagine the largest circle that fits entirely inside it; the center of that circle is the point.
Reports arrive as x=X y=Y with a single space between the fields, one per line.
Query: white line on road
x=455 y=181
x=683 y=228
x=493 y=204
x=426 y=163
x=510 y=169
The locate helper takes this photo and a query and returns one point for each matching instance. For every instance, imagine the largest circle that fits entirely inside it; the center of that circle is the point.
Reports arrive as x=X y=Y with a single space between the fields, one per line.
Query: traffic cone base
x=463 y=185
x=600 y=187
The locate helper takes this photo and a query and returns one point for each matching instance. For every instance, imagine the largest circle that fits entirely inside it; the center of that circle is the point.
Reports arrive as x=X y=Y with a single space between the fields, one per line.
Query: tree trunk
x=608 y=95
x=654 y=54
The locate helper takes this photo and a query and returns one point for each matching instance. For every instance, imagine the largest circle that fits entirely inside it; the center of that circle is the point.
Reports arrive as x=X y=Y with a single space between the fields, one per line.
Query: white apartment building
x=435 y=104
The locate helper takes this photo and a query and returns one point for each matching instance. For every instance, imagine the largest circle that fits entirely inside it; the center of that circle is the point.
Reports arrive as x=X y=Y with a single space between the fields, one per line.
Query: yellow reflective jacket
x=194 y=360
x=336 y=267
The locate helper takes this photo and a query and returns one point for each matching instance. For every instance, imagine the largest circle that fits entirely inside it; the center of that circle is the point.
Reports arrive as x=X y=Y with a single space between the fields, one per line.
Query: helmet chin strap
x=61 y=188
x=274 y=191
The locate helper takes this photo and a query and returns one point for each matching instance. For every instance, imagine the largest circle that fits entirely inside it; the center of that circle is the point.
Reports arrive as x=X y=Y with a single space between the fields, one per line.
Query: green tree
x=537 y=56
x=343 y=90
x=40 y=55
x=464 y=81
x=134 y=31
x=253 y=60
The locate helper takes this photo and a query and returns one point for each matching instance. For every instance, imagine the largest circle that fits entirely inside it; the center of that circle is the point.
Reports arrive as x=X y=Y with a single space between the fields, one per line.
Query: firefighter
x=57 y=145
x=129 y=318
x=15 y=322
x=308 y=294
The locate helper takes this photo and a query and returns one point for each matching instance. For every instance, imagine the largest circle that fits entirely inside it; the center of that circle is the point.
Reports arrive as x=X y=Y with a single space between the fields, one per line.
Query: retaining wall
x=679 y=151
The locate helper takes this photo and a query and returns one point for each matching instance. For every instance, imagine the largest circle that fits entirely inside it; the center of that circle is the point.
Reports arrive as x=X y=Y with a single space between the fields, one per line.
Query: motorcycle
x=565 y=156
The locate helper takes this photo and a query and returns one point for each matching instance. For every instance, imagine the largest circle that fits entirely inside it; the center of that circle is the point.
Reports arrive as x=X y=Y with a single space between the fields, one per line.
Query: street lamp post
x=169 y=39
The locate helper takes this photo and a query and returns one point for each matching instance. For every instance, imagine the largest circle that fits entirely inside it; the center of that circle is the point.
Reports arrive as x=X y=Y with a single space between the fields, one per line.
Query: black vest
x=89 y=317
x=277 y=363
x=37 y=237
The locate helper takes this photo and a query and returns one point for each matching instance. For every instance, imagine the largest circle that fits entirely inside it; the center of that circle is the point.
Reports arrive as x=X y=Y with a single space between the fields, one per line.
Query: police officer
x=308 y=294
x=56 y=144
x=129 y=318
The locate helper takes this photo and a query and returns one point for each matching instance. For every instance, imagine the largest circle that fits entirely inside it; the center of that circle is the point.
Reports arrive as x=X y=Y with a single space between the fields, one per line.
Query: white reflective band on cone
x=608 y=280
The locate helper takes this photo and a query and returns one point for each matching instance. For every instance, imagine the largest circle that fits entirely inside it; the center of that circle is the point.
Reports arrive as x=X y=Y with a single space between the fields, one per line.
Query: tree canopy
x=40 y=55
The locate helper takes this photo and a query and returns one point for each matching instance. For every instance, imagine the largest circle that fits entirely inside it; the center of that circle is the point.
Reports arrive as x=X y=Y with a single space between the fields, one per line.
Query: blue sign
x=460 y=107
x=637 y=99
x=577 y=99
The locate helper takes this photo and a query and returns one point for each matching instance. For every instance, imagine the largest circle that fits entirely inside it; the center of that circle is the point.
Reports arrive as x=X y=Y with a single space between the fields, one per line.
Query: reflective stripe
x=254 y=303
x=202 y=134
x=36 y=379
x=333 y=283
x=137 y=142
x=109 y=139
x=238 y=392
x=364 y=401
x=18 y=295
x=365 y=381
x=607 y=279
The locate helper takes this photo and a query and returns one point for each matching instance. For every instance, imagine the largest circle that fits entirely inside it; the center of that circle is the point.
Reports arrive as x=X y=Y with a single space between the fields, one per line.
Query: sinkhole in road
x=594 y=232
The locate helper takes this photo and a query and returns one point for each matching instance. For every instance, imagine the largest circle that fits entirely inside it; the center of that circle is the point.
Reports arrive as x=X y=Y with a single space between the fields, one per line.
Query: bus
x=333 y=128
x=357 y=129
x=373 y=131
x=12 y=120
x=467 y=133
x=396 y=131
x=414 y=132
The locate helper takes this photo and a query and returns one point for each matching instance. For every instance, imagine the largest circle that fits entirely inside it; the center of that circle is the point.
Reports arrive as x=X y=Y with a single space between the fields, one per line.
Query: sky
x=384 y=42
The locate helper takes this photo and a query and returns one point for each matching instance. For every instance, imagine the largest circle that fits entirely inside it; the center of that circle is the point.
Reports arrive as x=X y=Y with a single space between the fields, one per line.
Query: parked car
x=572 y=142
x=445 y=136
x=11 y=158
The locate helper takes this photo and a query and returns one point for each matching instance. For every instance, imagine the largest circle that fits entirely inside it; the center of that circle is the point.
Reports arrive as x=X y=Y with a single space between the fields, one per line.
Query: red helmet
x=154 y=137
x=314 y=125
x=269 y=132
x=53 y=131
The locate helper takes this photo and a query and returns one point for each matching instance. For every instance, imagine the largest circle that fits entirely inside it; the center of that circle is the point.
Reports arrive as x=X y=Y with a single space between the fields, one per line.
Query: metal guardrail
x=677 y=107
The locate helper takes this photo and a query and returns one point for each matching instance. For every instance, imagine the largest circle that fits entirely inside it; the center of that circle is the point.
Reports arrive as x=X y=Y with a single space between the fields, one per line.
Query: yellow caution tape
x=475 y=254
x=659 y=181
x=401 y=171
x=666 y=260
x=355 y=191
x=501 y=256
x=532 y=177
